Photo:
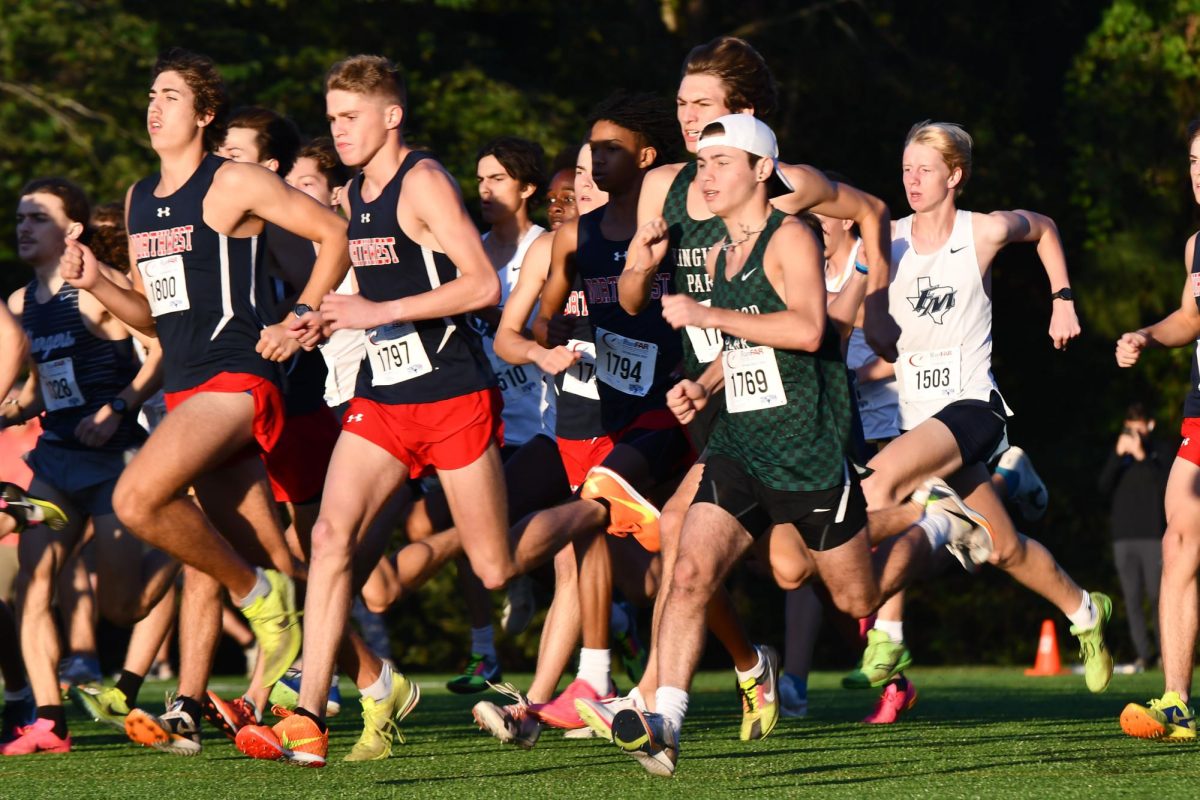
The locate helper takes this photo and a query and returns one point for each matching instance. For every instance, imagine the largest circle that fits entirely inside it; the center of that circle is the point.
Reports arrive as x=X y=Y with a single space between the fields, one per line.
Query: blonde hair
x=951 y=140
x=369 y=75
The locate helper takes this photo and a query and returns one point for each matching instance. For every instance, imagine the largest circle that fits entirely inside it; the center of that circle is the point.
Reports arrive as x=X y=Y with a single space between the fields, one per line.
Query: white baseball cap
x=749 y=133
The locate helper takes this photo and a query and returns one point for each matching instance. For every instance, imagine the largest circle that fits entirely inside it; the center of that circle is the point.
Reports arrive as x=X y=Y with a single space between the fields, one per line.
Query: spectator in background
x=1135 y=476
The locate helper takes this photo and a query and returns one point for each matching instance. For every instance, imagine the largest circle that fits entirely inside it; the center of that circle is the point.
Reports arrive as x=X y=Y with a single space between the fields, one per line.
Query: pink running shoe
x=561 y=713
x=893 y=702
x=36 y=738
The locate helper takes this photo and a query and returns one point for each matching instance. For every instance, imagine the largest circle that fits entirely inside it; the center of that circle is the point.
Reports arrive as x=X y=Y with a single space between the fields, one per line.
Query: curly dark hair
x=276 y=136
x=201 y=76
x=647 y=115
x=109 y=240
x=524 y=160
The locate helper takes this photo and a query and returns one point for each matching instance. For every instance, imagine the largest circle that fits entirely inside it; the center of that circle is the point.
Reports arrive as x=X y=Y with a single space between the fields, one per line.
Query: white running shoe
x=1031 y=497
x=511 y=724
x=971 y=540
x=598 y=714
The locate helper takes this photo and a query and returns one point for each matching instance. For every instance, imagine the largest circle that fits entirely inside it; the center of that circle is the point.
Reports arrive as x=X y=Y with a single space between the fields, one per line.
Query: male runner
x=1170 y=718
x=197 y=283
x=90 y=388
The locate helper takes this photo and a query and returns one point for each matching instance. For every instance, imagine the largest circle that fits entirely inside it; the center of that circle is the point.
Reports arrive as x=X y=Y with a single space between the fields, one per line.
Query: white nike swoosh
x=748 y=273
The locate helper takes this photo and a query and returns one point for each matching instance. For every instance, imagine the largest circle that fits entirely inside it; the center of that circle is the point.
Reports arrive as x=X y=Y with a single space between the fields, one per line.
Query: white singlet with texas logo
x=945 y=318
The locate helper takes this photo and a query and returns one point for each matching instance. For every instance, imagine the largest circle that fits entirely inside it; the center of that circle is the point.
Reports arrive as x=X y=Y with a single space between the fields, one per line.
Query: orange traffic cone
x=1047 y=662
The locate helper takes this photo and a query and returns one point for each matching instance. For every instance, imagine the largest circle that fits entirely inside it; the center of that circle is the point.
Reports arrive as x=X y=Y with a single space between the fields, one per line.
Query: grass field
x=976 y=732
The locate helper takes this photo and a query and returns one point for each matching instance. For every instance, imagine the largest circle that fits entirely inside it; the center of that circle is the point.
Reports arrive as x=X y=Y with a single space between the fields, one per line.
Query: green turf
x=974 y=733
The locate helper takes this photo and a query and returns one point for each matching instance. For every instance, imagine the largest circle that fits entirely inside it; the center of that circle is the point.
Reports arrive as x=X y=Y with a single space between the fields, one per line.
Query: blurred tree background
x=1079 y=110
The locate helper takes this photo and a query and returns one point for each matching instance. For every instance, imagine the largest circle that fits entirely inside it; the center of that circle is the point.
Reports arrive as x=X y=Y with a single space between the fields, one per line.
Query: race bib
x=516 y=381
x=752 y=380
x=396 y=354
x=59 y=388
x=625 y=364
x=165 y=285
x=706 y=342
x=931 y=374
x=580 y=377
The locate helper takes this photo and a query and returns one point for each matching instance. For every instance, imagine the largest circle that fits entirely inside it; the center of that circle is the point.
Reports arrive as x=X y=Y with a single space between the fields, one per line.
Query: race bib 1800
x=396 y=354
x=625 y=364
x=165 y=285
x=931 y=374
x=752 y=380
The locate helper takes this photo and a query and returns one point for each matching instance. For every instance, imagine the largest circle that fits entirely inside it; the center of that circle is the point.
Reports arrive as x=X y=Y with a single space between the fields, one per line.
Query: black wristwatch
x=301 y=309
x=1063 y=294
x=118 y=405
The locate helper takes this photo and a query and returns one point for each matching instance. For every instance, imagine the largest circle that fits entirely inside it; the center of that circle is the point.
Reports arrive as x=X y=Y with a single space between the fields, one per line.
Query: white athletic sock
x=671 y=704
x=753 y=672
x=595 y=667
x=1086 y=615
x=937 y=529
x=483 y=641
x=262 y=588
x=635 y=694
x=382 y=687
x=618 y=620
x=894 y=628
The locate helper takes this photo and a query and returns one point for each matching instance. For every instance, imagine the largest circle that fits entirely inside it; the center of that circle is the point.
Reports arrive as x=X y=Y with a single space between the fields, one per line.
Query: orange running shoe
x=629 y=512
x=294 y=738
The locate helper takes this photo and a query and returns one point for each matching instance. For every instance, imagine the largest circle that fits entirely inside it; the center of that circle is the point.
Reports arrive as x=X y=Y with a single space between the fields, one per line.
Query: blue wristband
x=862 y=270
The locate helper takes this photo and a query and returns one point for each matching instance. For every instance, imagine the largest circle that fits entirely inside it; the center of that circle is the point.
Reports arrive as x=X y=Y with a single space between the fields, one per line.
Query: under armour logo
x=165 y=211
x=620 y=256
x=364 y=218
x=354 y=418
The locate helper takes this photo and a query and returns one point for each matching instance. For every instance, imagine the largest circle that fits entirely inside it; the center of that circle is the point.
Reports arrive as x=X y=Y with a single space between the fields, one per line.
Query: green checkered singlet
x=799 y=446
x=690 y=239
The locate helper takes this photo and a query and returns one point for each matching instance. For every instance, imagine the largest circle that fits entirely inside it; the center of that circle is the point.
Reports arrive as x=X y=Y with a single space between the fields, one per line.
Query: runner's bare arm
x=641 y=263
x=815 y=192
x=843 y=309
x=14 y=349
x=1002 y=227
x=1179 y=328
x=513 y=342
x=793 y=265
x=559 y=280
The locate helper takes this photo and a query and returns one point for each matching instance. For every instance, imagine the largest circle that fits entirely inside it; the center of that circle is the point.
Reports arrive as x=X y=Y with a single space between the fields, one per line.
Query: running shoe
x=1031 y=497
x=480 y=671
x=629 y=647
x=561 y=713
x=1167 y=719
x=649 y=738
x=175 y=732
x=381 y=720
x=18 y=714
x=519 y=606
x=106 y=704
x=971 y=540
x=881 y=661
x=628 y=512
x=791 y=704
x=75 y=670
x=295 y=738
x=760 y=697
x=512 y=723
x=38 y=737
x=232 y=715
x=598 y=714
x=1097 y=661
x=286 y=693
x=275 y=623
x=898 y=696
x=21 y=506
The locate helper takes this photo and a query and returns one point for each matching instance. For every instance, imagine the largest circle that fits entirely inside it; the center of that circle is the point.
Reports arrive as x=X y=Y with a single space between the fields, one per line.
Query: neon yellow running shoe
x=881 y=661
x=1097 y=661
x=1167 y=719
x=106 y=704
x=275 y=623
x=29 y=510
x=760 y=698
x=381 y=720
